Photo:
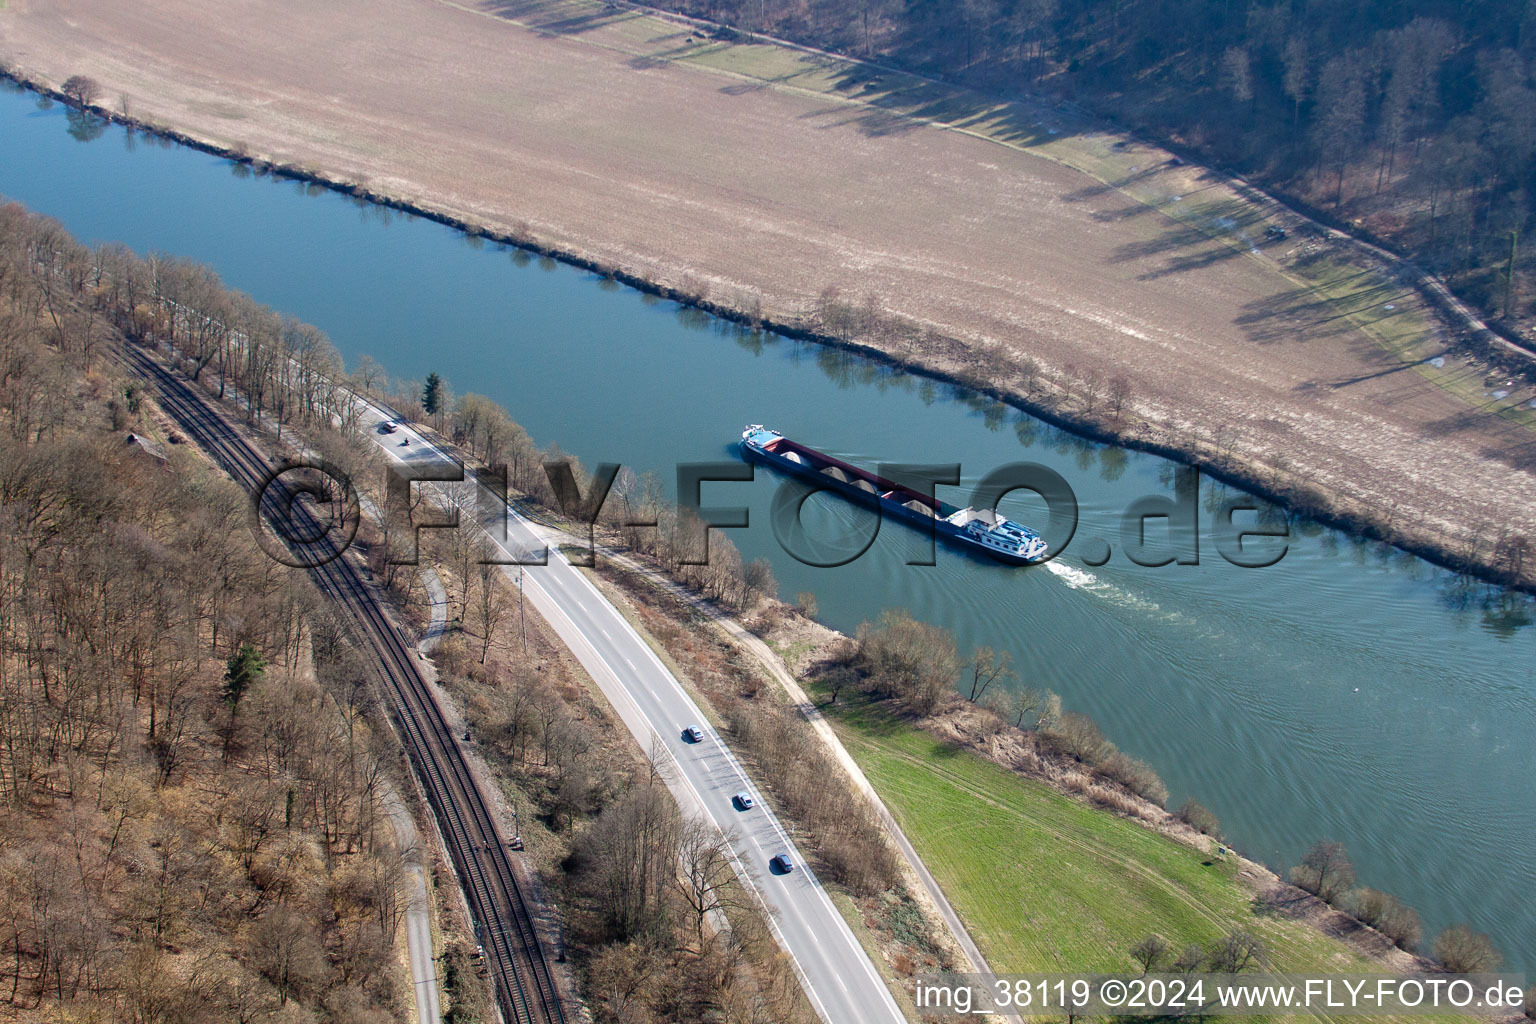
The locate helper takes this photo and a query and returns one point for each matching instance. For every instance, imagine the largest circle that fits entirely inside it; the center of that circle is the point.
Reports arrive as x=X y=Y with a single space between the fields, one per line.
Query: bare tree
x=283 y=946
x=1464 y=951
x=987 y=667
x=490 y=605
x=82 y=91
x=629 y=857
x=1237 y=73
x=907 y=659
x=1297 y=81
x=836 y=679
x=1325 y=871
x=659 y=764
x=1151 y=952
x=1341 y=100
x=1189 y=960
x=706 y=879
x=1237 y=951
x=1119 y=393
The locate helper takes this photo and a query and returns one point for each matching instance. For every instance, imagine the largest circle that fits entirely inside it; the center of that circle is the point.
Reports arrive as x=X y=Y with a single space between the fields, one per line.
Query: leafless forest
x=192 y=823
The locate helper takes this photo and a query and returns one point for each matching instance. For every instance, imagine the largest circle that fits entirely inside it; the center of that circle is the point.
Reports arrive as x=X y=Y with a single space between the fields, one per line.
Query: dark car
x=744 y=800
x=781 y=863
x=693 y=734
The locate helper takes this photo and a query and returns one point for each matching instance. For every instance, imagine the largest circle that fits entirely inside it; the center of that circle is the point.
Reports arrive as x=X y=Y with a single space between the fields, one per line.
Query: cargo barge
x=977 y=529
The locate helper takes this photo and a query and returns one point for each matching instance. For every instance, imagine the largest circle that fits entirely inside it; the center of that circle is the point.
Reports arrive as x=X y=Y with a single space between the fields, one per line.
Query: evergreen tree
x=243 y=668
x=432 y=394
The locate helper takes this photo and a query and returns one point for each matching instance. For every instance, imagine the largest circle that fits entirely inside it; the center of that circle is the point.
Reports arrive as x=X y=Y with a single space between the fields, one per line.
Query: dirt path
x=753 y=175
x=418 y=915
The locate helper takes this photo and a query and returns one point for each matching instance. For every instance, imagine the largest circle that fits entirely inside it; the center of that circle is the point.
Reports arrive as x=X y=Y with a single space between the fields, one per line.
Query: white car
x=744 y=800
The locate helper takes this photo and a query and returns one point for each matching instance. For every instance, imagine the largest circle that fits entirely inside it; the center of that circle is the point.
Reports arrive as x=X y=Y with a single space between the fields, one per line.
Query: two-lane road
x=838 y=976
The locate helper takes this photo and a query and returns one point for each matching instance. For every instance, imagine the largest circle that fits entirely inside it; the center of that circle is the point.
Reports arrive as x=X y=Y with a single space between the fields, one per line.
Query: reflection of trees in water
x=749 y=340
x=1085 y=455
x=1411 y=564
x=835 y=366
x=847 y=369
x=994 y=416
x=1113 y=461
x=1506 y=613
x=84 y=126
x=693 y=318
x=1305 y=527
x=1269 y=516
x=1080 y=449
x=1034 y=432
x=1027 y=428
x=888 y=377
x=1501 y=611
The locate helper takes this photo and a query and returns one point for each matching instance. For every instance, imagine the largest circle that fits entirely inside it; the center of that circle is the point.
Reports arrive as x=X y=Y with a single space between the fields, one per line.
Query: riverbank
x=1237 y=355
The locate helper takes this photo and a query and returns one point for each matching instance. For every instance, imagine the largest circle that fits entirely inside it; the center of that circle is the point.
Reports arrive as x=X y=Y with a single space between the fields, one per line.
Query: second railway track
x=525 y=989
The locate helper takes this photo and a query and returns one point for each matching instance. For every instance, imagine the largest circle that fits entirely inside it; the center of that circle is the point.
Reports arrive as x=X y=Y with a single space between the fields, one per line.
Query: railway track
x=524 y=988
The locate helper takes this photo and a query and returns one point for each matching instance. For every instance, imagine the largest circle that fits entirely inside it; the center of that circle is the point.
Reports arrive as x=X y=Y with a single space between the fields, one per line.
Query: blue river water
x=1349 y=691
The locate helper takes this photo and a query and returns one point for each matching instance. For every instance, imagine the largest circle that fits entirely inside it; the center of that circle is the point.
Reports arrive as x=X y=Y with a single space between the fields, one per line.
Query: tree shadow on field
x=1125 y=213
x=1099 y=189
x=1456 y=423
x=555 y=19
x=1301 y=315
x=646 y=61
x=1212 y=254
x=1518 y=455
x=1187 y=248
x=1282 y=901
x=743 y=88
x=869 y=715
x=895 y=103
x=1231 y=224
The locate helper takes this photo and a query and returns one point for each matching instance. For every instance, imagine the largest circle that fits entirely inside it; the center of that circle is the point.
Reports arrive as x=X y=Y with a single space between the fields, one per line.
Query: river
x=1349 y=691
